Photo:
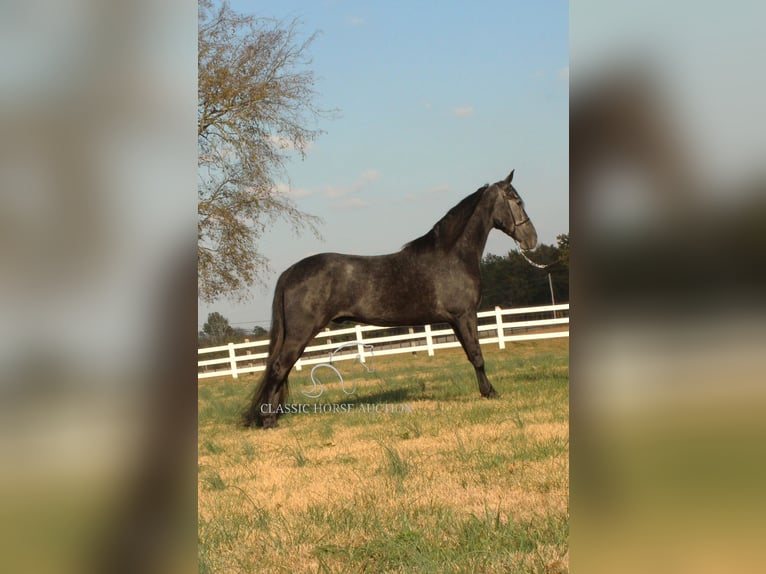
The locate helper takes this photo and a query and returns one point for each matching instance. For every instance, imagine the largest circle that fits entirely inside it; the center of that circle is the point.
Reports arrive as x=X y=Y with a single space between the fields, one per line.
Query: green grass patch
x=451 y=483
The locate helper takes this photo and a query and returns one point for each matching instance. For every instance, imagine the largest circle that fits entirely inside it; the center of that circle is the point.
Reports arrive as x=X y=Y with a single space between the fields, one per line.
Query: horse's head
x=509 y=214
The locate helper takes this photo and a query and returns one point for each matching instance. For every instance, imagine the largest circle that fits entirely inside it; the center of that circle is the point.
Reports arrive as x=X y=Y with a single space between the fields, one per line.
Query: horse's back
x=382 y=289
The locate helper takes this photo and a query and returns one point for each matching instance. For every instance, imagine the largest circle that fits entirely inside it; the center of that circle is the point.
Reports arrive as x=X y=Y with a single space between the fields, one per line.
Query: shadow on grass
x=449 y=389
x=393 y=395
x=447 y=385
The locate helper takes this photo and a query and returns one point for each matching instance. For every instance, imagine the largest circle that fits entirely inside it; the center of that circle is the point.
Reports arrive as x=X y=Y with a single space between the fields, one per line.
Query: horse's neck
x=470 y=246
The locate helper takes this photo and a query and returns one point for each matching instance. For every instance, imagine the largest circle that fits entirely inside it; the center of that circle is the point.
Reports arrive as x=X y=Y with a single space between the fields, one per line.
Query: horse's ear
x=510 y=177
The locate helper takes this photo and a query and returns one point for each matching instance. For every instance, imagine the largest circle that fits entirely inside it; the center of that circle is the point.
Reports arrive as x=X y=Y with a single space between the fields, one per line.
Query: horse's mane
x=449 y=228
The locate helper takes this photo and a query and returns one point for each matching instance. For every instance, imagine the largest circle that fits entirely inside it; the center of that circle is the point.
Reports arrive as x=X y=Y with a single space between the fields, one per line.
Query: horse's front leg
x=466 y=329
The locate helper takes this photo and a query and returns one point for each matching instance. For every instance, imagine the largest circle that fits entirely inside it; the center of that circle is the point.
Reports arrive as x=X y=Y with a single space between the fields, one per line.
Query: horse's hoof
x=492 y=394
x=270 y=422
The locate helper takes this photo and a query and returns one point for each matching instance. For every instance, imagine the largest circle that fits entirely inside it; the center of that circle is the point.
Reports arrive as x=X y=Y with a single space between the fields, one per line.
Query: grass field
x=437 y=480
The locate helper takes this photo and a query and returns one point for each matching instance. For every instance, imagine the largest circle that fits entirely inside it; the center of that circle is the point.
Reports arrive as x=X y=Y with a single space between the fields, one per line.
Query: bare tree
x=255 y=101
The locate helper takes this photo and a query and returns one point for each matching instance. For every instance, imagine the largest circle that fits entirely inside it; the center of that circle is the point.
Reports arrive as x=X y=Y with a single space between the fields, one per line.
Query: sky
x=435 y=99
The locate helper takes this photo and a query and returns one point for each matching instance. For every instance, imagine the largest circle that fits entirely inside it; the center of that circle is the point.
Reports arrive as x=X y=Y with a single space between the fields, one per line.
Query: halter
x=524 y=255
x=526 y=217
x=522 y=222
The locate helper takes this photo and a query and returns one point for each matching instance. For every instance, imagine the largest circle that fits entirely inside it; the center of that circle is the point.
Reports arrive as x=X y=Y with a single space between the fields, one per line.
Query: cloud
x=563 y=73
x=287 y=145
x=356 y=21
x=360 y=184
x=439 y=188
x=334 y=192
x=463 y=111
x=352 y=202
x=369 y=176
x=427 y=193
x=293 y=192
x=280 y=142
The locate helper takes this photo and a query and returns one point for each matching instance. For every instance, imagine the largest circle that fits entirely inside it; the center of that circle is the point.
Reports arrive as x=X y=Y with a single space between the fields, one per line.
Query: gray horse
x=433 y=279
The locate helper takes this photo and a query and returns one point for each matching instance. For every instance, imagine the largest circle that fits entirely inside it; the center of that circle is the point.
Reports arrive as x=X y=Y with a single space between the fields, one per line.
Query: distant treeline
x=510 y=281
x=507 y=281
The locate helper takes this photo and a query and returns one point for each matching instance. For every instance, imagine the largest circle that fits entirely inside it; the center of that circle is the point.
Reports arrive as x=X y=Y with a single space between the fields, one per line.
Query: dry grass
x=456 y=484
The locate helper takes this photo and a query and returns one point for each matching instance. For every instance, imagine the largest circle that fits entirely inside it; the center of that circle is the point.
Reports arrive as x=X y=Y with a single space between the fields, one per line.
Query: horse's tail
x=277 y=337
x=252 y=415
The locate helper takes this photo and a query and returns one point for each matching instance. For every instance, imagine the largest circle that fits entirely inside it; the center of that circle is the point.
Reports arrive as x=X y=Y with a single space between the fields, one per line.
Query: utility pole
x=553 y=301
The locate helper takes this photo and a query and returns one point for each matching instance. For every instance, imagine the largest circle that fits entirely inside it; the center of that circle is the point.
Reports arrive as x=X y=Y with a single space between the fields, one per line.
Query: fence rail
x=498 y=331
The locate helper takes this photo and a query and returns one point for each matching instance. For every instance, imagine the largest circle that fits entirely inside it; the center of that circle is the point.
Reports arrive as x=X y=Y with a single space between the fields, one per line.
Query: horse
x=432 y=279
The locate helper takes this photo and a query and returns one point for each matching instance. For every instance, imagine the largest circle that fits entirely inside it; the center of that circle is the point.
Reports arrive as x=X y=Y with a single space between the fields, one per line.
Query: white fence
x=497 y=330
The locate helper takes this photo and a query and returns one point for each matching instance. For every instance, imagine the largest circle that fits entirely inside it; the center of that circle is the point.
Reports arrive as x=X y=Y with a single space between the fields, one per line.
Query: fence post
x=233 y=361
x=429 y=341
x=553 y=301
x=500 y=330
x=359 y=342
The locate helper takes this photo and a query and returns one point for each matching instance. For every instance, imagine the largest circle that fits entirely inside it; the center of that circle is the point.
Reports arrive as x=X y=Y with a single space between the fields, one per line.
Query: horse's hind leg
x=262 y=409
x=272 y=391
x=466 y=329
x=274 y=394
